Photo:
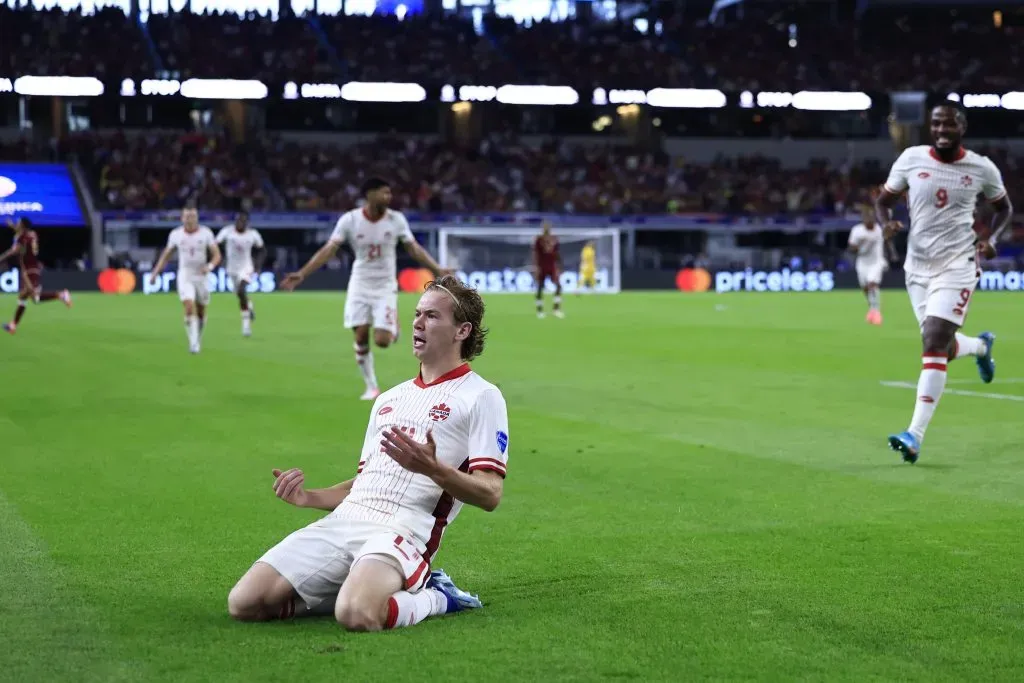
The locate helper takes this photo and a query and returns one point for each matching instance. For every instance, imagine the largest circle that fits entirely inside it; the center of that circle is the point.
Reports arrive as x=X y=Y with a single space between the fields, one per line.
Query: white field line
x=957 y=392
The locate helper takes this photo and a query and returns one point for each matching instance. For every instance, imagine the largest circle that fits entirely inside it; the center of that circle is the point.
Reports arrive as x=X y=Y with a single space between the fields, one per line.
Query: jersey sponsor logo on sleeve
x=440 y=413
x=502 y=438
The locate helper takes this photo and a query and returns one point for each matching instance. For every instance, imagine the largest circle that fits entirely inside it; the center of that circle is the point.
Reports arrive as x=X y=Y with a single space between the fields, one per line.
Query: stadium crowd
x=929 y=51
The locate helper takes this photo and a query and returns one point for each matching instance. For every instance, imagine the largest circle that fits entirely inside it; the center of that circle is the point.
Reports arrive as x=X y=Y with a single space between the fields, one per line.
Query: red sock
x=48 y=296
x=18 y=313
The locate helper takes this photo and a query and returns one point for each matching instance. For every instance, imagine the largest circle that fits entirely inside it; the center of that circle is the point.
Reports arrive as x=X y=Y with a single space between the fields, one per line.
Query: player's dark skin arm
x=1000 y=222
x=422 y=256
x=259 y=258
x=9 y=253
x=322 y=256
x=883 y=213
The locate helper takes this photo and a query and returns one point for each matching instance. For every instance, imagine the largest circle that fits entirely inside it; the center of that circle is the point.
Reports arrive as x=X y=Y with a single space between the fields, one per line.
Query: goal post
x=500 y=258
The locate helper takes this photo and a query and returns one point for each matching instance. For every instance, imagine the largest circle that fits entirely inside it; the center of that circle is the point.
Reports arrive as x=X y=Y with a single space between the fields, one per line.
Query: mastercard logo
x=693 y=280
x=414 y=279
x=116 y=281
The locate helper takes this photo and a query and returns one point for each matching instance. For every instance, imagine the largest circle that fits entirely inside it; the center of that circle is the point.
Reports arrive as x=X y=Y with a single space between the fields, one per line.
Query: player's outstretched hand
x=891 y=228
x=288 y=486
x=291 y=281
x=985 y=250
x=414 y=456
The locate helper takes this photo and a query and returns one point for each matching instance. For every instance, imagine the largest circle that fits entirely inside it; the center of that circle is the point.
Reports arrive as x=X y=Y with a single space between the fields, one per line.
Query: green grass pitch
x=699 y=488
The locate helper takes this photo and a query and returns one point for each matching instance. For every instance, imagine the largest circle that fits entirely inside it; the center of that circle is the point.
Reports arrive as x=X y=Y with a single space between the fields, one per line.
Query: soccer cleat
x=458 y=599
x=540 y=315
x=559 y=314
x=906 y=443
x=874 y=317
x=193 y=348
x=10 y=328
x=370 y=394
x=987 y=366
x=65 y=296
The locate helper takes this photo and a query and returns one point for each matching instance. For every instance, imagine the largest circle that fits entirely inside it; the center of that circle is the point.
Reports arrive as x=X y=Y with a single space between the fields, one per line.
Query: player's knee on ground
x=360 y=615
x=259 y=594
x=382 y=338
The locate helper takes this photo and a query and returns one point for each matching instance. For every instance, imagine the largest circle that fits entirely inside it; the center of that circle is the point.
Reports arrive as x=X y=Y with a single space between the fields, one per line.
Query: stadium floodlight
x=500 y=259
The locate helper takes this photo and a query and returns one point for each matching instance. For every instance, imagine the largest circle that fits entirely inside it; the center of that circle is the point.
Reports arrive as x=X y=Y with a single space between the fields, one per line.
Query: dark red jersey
x=28 y=250
x=545 y=253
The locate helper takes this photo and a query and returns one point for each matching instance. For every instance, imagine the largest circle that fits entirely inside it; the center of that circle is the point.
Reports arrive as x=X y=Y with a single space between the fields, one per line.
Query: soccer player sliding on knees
x=943 y=254
x=432 y=444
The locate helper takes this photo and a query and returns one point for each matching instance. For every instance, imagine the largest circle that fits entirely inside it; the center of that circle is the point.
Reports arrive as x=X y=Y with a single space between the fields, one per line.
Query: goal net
x=500 y=259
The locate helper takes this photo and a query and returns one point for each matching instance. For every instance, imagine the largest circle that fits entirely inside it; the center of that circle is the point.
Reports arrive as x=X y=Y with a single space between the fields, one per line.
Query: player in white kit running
x=943 y=254
x=432 y=444
x=241 y=240
x=195 y=244
x=868 y=246
x=372 y=297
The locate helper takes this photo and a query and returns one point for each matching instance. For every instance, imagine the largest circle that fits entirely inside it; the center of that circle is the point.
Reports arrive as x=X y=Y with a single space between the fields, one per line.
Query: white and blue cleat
x=987 y=366
x=907 y=444
x=458 y=599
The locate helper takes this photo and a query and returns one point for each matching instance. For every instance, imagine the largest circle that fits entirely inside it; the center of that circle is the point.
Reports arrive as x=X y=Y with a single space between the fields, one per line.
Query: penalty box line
x=956 y=392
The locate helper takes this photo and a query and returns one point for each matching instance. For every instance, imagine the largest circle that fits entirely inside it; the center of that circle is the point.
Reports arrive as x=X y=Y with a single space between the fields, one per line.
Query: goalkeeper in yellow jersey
x=588 y=268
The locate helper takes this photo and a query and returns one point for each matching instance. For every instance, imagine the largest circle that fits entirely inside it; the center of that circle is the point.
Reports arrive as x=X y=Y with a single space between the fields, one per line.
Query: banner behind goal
x=500 y=259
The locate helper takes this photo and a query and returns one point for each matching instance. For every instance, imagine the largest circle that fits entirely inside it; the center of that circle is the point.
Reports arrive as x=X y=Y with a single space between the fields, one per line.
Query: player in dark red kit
x=26 y=248
x=548 y=263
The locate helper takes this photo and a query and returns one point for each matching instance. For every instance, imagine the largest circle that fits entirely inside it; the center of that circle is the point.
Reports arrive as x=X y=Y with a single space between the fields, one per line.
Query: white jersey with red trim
x=193 y=249
x=469 y=422
x=869 y=245
x=239 y=246
x=942 y=199
x=375 y=270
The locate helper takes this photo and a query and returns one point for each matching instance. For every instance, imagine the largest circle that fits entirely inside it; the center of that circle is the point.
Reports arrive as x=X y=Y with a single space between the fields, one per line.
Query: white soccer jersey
x=942 y=199
x=375 y=271
x=193 y=249
x=239 y=248
x=469 y=421
x=869 y=244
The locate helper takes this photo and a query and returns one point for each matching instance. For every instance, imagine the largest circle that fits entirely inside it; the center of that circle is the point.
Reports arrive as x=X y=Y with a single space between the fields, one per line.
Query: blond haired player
x=588 y=268
x=432 y=444
x=372 y=296
x=195 y=244
x=868 y=246
x=942 y=267
x=241 y=240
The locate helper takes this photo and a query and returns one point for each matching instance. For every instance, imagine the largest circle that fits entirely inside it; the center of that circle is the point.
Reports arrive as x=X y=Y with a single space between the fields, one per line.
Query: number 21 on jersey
x=373 y=252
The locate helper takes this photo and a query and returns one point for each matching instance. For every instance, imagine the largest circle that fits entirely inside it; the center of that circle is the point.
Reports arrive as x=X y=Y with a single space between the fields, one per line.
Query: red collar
x=451 y=374
x=366 y=214
x=960 y=154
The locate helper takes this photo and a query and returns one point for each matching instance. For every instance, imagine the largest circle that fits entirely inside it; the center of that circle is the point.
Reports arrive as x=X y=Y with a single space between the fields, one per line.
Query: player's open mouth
x=944 y=140
x=418 y=341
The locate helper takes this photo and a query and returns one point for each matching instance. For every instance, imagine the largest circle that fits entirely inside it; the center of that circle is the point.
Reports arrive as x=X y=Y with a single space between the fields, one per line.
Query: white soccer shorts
x=947 y=296
x=380 y=312
x=870 y=273
x=192 y=288
x=240 y=279
x=317 y=559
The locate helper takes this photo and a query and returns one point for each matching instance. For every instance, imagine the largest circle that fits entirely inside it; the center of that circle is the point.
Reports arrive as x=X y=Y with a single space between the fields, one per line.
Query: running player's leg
x=241 y=286
x=540 y=295
x=557 y=299
x=202 y=302
x=385 y=320
x=187 y=295
x=943 y=310
x=358 y=318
